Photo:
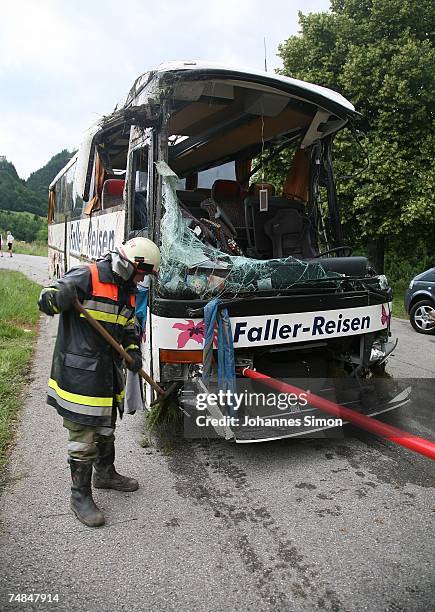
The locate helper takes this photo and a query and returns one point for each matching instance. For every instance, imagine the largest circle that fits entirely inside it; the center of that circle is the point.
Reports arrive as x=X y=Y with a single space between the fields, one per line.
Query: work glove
x=136 y=364
x=65 y=297
x=47 y=303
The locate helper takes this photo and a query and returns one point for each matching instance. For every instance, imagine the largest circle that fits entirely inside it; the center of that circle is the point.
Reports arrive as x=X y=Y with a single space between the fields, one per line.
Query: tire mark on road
x=208 y=474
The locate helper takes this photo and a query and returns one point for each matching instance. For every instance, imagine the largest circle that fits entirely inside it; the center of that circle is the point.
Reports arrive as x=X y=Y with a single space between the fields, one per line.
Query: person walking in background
x=10 y=240
x=1 y=245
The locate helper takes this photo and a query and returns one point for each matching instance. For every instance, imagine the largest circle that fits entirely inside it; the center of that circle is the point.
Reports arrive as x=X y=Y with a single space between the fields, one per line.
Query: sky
x=64 y=64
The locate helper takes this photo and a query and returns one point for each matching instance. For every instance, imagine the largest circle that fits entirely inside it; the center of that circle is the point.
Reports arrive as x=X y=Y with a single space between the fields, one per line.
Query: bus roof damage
x=211 y=116
x=217 y=114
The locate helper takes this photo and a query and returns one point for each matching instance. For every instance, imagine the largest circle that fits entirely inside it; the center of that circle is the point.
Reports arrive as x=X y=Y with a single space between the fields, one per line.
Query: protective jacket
x=86 y=382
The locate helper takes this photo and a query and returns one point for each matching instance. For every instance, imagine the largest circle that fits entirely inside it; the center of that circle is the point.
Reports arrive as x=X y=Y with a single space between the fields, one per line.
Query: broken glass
x=192 y=269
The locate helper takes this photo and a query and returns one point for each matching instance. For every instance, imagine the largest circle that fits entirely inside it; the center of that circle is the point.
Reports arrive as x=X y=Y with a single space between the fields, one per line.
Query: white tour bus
x=184 y=160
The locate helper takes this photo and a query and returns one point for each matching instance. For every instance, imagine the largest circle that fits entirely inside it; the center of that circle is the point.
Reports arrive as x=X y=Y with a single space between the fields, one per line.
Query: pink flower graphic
x=385 y=318
x=192 y=331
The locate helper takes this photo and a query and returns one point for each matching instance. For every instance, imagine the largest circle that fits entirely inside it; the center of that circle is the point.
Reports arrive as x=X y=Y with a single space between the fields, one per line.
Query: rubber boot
x=82 y=503
x=105 y=475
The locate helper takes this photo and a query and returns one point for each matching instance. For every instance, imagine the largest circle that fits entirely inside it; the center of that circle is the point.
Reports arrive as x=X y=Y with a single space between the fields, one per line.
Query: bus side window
x=64 y=203
x=113 y=190
x=63 y=200
x=78 y=205
x=58 y=212
x=68 y=190
x=51 y=205
x=140 y=201
x=140 y=193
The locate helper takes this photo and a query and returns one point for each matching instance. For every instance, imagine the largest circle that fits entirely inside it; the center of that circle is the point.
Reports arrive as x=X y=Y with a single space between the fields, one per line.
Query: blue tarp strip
x=226 y=362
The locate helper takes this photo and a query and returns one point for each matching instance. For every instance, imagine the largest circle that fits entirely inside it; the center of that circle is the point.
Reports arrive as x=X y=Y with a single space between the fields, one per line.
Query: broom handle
x=100 y=329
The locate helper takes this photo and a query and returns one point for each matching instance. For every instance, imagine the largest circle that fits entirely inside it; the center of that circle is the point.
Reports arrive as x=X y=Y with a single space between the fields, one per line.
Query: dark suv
x=420 y=302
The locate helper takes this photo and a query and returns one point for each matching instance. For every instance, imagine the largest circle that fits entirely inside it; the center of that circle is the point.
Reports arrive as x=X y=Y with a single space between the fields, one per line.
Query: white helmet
x=143 y=253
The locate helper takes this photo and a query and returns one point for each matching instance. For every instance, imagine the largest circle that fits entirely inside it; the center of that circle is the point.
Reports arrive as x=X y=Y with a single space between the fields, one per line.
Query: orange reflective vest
x=106 y=290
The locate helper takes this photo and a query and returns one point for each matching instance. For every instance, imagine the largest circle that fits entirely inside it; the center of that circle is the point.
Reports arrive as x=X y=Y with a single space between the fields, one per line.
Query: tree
x=380 y=55
x=15 y=195
x=23 y=225
x=39 y=180
x=31 y=195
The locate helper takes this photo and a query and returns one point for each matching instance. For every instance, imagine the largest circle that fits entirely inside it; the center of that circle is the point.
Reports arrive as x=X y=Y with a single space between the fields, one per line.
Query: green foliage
x=42 y=234
x=164 y=415
x=23 y=225
x=31 y=195
x=23 y=205
x=380 y=55
x=31 y=248
x=409 y=255
x=39 y=180
x=18 y=318
x=15 y=195
x=399 y=289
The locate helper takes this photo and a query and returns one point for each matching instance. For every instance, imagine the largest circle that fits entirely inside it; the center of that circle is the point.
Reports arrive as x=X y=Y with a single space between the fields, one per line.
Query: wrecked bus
x=183 y=160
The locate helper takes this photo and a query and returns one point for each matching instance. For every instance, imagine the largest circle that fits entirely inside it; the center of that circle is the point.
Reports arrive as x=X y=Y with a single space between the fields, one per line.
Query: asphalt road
x=342 y=525
x=33 y=266
x=414 y=356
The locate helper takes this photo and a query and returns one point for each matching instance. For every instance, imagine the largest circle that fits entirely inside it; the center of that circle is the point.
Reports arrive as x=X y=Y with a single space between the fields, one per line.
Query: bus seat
x=191 y=200
x=289 y=235
x=254 y=189
x=206 y=193
x=112 y=195
x=255 y=221
x=190 y=197
x=228 y=195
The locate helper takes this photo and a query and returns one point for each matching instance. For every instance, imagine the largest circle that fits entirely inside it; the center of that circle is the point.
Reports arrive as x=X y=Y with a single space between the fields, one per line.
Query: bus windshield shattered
x=242 y=234
x=202 y=257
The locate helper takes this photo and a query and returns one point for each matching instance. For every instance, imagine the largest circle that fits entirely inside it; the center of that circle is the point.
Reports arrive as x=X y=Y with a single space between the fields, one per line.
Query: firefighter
x=86 y=384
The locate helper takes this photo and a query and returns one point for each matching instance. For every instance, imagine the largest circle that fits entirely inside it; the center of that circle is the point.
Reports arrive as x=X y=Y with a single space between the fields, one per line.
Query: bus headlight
x=170 y=372
x=174 y=364
x=383 y=282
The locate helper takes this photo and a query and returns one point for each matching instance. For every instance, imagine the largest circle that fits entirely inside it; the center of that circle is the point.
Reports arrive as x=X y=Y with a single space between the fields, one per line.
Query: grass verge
x=18 y=329
x=399 y=288
x=30 y=248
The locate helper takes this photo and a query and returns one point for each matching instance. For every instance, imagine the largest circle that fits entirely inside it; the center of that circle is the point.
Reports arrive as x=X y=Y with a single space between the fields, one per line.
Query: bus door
x=140 y=186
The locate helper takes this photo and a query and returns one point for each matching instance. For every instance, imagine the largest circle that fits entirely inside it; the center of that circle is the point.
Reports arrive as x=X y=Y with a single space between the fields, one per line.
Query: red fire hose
x=414 y=443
